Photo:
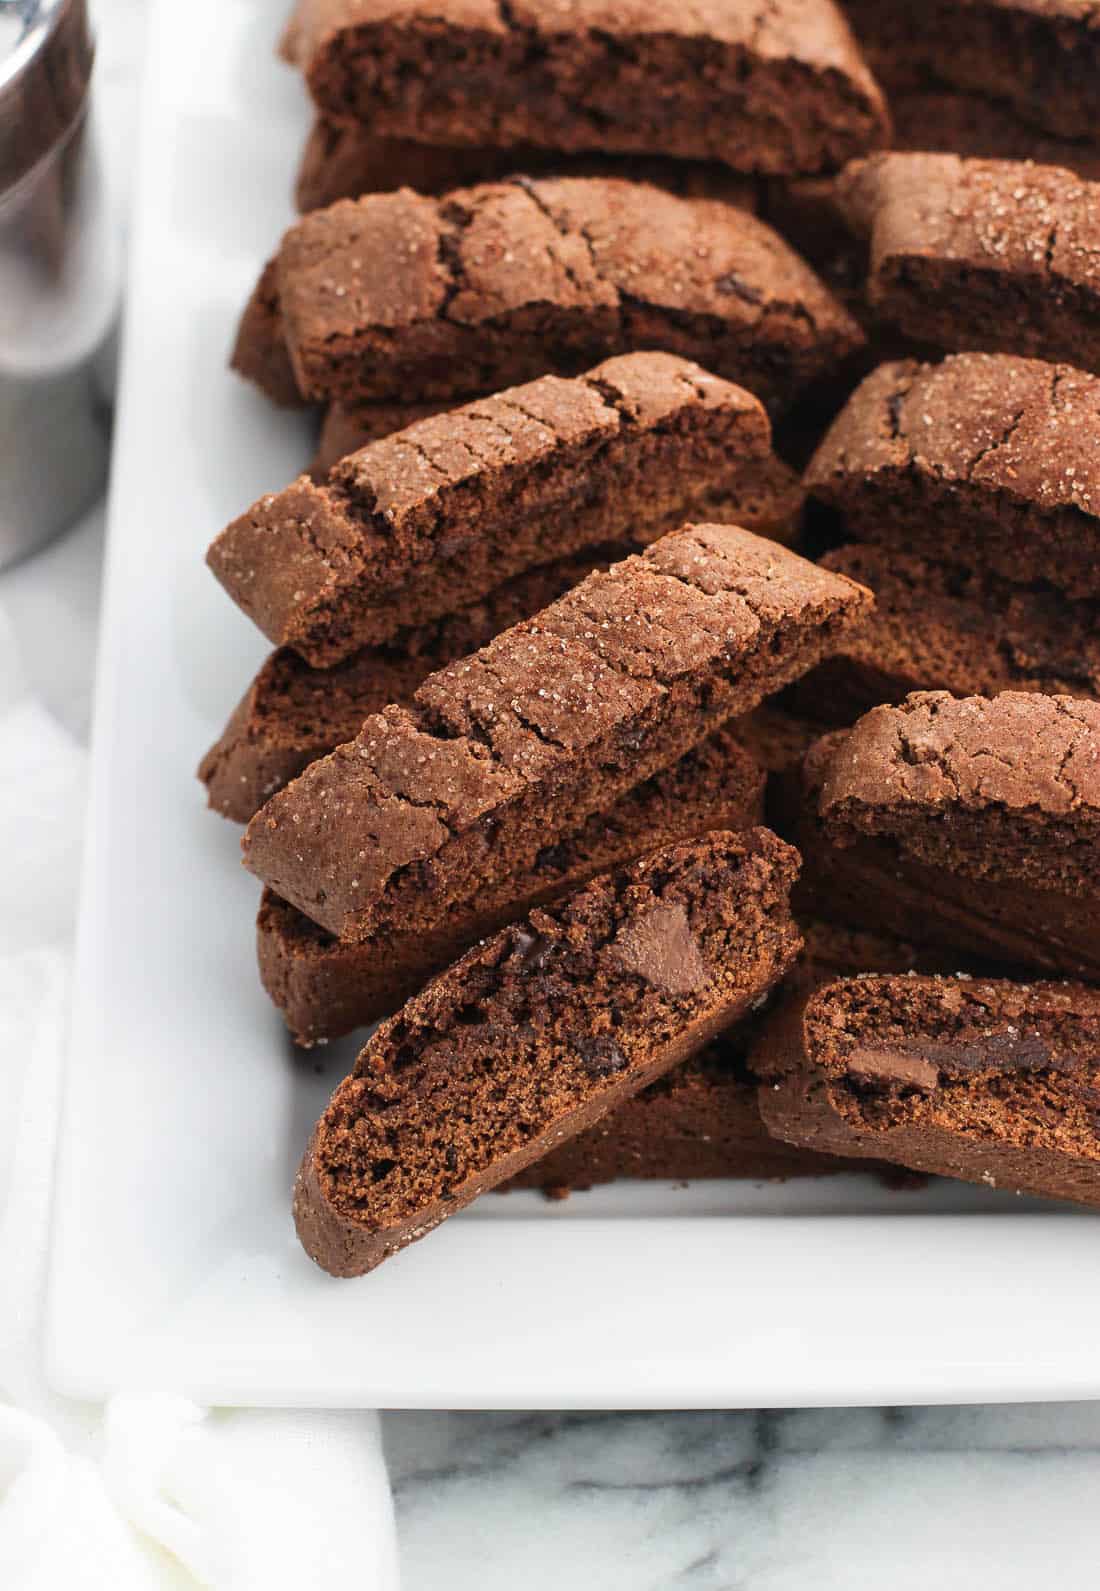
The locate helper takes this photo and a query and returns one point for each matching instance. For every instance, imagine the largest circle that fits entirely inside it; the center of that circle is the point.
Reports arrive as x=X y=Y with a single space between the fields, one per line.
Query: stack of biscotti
x=547 y=658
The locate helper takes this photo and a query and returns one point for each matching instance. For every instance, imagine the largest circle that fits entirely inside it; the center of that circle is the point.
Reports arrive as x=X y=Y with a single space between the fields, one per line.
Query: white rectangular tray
x=174 y=1262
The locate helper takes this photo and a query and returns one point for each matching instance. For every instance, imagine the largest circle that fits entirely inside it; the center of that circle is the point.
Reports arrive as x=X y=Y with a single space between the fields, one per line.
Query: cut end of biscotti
x=539 y=1031
x=989 y=1080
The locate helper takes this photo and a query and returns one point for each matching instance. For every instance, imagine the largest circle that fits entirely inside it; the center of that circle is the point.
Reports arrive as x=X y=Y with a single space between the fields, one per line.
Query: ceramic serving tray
x=175 y=1264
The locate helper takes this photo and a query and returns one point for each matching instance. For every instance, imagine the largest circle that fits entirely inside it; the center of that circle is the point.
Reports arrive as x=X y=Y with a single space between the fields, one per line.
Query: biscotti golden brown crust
x=325 y=987
x=1038 y=58
x=432 y=518
x=403 y=297
x=505 y=751
x=996 y=255
x=778 y=87
x=988 y=1080
x=537 y=1033
x=985 y=460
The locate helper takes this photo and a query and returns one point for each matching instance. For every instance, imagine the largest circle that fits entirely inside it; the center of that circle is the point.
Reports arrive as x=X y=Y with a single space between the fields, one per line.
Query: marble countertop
x=991 y=1499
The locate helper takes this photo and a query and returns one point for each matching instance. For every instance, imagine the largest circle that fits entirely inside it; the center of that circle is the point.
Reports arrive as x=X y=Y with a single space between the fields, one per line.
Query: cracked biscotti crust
x=762 y=85
x=507 y=750
x=345 y=431
x=985 y=460
x=432 y=518
x=537 y=1033
x=292 y=713
x=1039 y=58
x=403 y=297
x=1006 y=789
x=325 y=987
x=936 y=626
x=874 y=882
x=346 y=160
x=987 y=1080
x=997 y=255
x=762 y=492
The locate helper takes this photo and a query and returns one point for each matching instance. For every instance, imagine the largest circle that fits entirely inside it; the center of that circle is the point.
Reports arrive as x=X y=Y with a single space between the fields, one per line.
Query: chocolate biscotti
x=699 y=1122
x=702 y=1119
x=537 y=1033
x=985 y=460
x=291 y=714
x=763 y=493
x=260 y=353
x=1041 y=58
x=326 y=987
x=433 y=517
x=936 y=626
x=346 y=160
x=987 y=1080
x=966 y=124
x=875 y=882
x=780 y=88
x=504 y=752
x=399 y=297
x=1000 y=255
x=1005 y=789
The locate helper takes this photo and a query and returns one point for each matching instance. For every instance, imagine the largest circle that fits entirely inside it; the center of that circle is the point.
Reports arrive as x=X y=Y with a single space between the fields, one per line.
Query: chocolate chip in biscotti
x=402 y=297
x=985 y=460
x=776 y=87
x=936 y=626
x=432 y=518
x=1039 y=58
x=326 y=987
x=702 y=1120
x=889 y=883
x=500 y=1059
x=989 y=1080
x=292 y=713
x=999 y=255
x=504 y=752
x=346 y=160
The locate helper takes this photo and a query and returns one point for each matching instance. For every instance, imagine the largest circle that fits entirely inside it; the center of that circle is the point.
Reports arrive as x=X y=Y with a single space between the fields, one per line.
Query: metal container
x=59 y=276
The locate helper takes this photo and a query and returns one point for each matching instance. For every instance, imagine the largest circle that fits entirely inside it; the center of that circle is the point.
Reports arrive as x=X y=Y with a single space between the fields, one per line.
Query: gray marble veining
x=987 y=1499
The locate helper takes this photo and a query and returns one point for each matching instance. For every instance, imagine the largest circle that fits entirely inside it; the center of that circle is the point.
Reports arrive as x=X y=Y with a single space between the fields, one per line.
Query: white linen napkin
x=147 y=1493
